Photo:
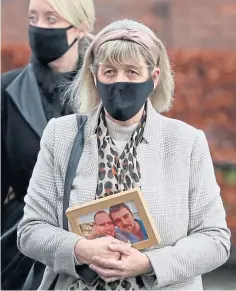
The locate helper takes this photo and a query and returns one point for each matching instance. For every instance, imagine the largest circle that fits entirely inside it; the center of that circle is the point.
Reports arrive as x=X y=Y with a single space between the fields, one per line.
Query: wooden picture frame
x=81 y=218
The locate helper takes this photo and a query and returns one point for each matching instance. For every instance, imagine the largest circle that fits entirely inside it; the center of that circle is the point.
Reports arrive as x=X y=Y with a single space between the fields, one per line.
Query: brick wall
x=180 y=23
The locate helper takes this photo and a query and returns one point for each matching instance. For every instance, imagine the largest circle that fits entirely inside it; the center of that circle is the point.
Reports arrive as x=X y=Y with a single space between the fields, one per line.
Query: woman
x=59 y=33
x=124 y=82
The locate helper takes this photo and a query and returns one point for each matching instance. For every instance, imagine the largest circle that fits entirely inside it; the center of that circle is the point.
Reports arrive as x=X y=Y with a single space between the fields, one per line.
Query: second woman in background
x=59 y=33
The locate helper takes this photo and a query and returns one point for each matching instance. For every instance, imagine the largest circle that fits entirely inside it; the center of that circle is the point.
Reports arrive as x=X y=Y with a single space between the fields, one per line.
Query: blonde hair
x=83 y=92
x=80 y=13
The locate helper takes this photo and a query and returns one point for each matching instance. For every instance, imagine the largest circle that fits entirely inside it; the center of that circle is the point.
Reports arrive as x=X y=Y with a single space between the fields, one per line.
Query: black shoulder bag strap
x=85 y=273
x=75 y=155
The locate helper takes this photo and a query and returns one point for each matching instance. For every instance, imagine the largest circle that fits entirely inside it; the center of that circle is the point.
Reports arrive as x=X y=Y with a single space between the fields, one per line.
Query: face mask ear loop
x=69 y=27
x=75 y=40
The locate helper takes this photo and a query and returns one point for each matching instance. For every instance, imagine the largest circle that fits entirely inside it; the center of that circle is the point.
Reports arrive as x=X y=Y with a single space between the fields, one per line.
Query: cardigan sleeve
x=207 y=245
x=39 y=234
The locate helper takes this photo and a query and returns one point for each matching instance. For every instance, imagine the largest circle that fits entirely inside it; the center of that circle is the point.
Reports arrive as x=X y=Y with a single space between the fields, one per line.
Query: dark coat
x=23 y=118
x=23 y=122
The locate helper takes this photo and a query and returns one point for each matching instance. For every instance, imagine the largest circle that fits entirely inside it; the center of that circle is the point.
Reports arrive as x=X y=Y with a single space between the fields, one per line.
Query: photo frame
x=124 y=216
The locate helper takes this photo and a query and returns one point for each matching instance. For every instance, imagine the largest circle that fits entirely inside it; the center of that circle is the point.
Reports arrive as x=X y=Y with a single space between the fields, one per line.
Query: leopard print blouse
x=116 y=174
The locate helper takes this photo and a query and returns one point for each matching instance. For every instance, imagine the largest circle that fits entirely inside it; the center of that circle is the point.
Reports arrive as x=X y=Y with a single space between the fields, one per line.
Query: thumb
x=124 y=249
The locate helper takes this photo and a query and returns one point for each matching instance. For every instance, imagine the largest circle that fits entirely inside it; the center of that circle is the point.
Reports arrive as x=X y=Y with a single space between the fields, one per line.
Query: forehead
x=40 y=6
x=121 y=52
x=102 y=218
x=121 y=212
x=123 y=65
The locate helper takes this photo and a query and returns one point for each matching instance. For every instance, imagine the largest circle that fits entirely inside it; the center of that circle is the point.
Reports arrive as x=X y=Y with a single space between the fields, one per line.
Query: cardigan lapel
x=154 y=125
x=151 y=152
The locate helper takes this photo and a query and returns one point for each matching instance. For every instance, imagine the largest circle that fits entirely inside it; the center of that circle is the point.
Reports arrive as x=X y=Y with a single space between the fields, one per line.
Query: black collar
x=50 y=81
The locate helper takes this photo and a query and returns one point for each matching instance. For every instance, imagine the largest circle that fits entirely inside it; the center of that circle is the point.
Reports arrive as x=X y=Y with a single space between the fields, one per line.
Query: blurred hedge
x=205 y=97
x=14 y=56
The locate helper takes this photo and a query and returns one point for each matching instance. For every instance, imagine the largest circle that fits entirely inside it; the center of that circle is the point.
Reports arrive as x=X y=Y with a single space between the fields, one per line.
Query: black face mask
x=49 y=44
x=123 y=100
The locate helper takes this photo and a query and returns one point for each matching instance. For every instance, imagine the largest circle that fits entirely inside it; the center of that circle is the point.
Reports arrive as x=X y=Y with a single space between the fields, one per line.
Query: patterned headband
x=140 y=37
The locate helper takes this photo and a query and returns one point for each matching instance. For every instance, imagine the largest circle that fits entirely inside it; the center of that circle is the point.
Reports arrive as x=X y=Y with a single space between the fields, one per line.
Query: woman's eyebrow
x=137 y=68
x=45 y=12
x=52 y=12
x=103 y=68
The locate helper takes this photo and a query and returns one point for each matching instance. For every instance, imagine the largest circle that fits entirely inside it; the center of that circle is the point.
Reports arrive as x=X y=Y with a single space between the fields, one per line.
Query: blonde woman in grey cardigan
x=124 y=85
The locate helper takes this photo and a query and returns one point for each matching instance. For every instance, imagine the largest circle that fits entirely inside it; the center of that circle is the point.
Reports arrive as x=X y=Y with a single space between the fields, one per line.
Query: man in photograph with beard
x=123 y=218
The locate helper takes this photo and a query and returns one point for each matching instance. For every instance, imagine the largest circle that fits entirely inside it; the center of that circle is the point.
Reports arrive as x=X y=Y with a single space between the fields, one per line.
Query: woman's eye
x=32 y=19
x=51 y=19
x=132 y=72
x=109 y=72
